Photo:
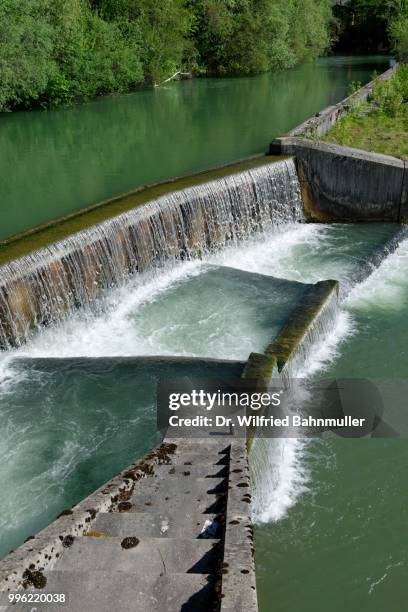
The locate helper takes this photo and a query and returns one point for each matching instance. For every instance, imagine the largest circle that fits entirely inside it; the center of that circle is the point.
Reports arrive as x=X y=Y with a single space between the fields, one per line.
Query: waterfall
x=277 y=465
x=373 y=262
x=317 y=332
x=40 y=288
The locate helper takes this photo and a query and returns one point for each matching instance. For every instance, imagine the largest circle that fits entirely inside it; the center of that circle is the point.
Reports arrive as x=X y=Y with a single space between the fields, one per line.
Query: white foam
x=278 y=466
x=328 y=348
x=280 y=477
x=277 y=252
x=387 y=287
x=109 y=332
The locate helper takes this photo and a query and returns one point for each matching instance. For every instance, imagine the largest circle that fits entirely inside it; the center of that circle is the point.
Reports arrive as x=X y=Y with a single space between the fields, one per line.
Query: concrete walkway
x=177 y=539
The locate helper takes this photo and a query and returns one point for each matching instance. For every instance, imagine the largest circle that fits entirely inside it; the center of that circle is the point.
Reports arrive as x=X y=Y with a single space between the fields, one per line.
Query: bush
x=399 y=34
x=54 y=51
x=252 y=36
x=26 y=45
x=391 y=96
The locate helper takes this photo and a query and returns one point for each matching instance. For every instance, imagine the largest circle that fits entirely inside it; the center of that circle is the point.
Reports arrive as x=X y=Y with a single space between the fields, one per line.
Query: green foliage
x=26 y=43
x=374 y=25
x=57 y=51
x=401 y=79
x=250 y=36
x=391 y=96
x=399 y=34
x=92 y=56
x=354 y=87
x=382 y=124
x=165 y=26
x=388 y=98
x=54 y=51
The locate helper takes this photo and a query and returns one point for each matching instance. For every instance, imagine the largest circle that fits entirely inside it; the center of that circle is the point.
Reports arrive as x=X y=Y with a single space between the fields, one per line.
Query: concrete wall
x=321 y=123
x=345 y=184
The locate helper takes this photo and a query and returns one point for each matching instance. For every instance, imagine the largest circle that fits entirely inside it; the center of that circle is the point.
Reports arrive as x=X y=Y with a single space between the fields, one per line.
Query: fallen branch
x=173 y=77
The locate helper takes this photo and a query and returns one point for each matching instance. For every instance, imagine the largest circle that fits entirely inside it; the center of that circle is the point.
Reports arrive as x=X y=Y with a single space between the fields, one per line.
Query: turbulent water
x=338 y=540
x=224 y=305
x=40 y=288
x=211 y=272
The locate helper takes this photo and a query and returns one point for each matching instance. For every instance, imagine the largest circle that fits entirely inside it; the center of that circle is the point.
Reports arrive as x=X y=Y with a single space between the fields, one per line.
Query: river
x=58 y=161
x=77 y=401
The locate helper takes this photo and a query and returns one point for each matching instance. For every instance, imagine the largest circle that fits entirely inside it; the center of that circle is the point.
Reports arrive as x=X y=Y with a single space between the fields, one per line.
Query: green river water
x=58 y=161
x=341 y=543
x=331 y=530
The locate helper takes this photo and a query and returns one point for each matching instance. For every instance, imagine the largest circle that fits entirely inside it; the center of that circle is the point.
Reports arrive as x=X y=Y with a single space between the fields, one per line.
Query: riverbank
x=381 y=124
x=78 y=50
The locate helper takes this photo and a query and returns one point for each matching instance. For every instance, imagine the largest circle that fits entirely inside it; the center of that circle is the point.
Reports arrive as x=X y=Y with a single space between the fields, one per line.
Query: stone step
x=145 y=524
x=212 y=445
x=197 y=470
x=139 y=556
x=179 y=494
x=204 y=505
x=197 y=459
x=173 y=487
x=111 y=590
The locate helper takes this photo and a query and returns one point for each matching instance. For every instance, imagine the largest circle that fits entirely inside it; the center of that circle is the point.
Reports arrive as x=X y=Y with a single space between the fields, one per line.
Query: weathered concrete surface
x=152 y=539
x=403 y=217
x=321 y=123
x=342 y=184
x=238 y=569
x=291 y=339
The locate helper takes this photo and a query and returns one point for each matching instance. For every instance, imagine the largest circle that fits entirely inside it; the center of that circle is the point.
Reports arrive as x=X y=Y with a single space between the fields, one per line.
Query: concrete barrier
x=308 y=323
x=342 y=184
x=322 y=122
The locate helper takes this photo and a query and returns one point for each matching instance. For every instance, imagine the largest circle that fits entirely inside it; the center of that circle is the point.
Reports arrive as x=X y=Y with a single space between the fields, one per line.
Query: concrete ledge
x=259 y=368
x=343 y=184
x=287 y=343
x=321 y=123
x=238 y=569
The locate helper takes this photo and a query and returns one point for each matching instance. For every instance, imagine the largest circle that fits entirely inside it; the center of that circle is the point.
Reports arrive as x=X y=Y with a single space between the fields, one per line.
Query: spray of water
x=279 y=467
x=41 y=288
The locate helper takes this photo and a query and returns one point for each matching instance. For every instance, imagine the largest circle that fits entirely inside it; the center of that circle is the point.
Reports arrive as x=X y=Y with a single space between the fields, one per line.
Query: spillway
x=40 y=288
x=211 y=272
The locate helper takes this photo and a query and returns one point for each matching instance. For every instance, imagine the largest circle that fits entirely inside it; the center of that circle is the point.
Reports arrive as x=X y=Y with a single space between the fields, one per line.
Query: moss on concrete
x=293 y=333
x=61 y=228
x=259 y=368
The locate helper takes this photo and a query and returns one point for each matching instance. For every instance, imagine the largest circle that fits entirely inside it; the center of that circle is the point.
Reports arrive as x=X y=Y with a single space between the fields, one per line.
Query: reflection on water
x=54 y=162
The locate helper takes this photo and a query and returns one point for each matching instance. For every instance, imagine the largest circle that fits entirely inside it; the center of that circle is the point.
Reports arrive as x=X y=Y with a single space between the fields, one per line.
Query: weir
x=175 y=527
x=40 y=288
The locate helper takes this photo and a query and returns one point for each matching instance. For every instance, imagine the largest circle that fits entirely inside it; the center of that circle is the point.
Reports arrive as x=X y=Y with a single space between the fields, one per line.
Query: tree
x=26 y=44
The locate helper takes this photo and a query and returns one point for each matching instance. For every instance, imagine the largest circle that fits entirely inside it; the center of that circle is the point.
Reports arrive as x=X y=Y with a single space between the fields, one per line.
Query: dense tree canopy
x=374 y=25
x=57 y=51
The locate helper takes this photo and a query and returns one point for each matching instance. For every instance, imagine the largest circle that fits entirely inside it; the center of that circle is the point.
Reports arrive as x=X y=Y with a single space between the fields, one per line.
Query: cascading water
x=247 y=221
x=277 y=467
x=40 y=288
x=373 y=261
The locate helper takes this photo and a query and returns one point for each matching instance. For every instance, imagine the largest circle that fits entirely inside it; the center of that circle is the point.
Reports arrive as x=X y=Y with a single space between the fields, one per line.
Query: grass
x=374 y=131
x=381 y=124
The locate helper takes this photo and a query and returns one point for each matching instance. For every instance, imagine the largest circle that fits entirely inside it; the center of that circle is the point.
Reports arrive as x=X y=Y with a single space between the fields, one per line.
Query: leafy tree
x=249 y=36
x=57 y=51
x=397 y=14
x=26 y=44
